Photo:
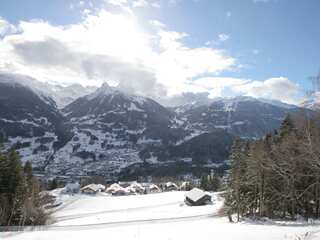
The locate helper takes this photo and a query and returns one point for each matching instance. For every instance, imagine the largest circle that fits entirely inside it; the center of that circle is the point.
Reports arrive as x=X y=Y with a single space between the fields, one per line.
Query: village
x=193 y=196
x=138 y=210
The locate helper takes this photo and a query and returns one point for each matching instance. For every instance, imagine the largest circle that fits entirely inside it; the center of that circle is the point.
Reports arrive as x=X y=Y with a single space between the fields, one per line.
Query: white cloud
x=157 y=23
x=223 y=37
x=110 y=47
x=279 y=88
x=6 y=27
x=117 y=2
x=129 y=4
x=140 y=3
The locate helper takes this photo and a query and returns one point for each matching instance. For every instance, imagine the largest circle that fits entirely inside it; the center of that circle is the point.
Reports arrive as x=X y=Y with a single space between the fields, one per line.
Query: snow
x=195 y=133
x=238 y=123
x=27 y=154
x=155 y=216
x=196 y=194
x=145 y=140
x=133 y=107
x=152 y=159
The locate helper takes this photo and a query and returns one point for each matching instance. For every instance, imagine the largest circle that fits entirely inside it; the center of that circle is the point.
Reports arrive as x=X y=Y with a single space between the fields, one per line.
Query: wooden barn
x=197 y=197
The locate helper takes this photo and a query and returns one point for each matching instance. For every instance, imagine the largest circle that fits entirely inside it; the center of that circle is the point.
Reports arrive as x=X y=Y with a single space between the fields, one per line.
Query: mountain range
x=77 y=131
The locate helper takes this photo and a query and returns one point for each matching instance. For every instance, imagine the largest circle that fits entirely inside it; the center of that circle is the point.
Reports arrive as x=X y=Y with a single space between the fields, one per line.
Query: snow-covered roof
x=137 y=186
x=94 y=187
x=171 y=184
x=114 y=188
x=184 y=184
x=154 y=187
x=196 y=194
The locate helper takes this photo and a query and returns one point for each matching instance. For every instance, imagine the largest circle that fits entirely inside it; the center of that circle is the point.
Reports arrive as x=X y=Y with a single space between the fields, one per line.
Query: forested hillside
x=19 y=193
x=278 y=176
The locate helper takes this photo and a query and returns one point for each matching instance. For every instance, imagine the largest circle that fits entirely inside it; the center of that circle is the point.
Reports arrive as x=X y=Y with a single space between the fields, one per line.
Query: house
x=170 y=186
x=116 y=190
x=126 y=184
x=72 y=188
x=112 y=188
x=185 y=186
x=154 y=188
x=130 y=191
x=137 y=187
x=197 y=197
x=92 y=188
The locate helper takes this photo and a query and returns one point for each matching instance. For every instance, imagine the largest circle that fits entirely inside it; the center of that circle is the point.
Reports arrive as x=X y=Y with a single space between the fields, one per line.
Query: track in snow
x=82 y=215
x=115 y=224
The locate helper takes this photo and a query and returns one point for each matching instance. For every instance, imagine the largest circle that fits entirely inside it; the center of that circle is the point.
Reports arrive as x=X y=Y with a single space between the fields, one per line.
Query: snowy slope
x=62 y=95
x=157 y=216
x=242 y=116
x=30 y=122
x=110 y=128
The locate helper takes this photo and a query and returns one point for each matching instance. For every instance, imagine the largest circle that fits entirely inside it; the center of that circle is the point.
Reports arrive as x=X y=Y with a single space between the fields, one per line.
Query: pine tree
x=278 y=175
x=17 y=189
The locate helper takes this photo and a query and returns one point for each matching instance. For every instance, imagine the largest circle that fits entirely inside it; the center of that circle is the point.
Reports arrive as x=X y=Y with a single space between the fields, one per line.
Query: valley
x=111 y=133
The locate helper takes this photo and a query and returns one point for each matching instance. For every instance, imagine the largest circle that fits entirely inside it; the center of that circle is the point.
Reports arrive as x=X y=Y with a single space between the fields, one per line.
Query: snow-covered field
x=152 y=217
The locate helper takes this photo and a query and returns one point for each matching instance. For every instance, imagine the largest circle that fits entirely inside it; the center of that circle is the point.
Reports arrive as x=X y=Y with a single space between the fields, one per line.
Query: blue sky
x=266 y=39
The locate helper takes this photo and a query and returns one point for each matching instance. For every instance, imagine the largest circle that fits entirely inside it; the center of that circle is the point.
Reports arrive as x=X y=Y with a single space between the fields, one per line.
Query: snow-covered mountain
x=108 y=131
x=62 y=95
x=30 y=122
x=313 y=102
x=110 y=128
x=190 y=99
x=242 y=116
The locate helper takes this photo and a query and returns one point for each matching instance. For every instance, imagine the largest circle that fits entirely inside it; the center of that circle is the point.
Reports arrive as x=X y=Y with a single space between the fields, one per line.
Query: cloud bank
x=113 y=47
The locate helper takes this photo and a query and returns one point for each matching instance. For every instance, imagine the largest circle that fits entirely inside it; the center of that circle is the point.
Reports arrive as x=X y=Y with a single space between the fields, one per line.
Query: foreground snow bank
x=157 y=217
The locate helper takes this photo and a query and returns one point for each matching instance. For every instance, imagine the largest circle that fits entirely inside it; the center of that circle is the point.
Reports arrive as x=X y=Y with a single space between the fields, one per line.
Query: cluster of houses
x=194 y=197
x=125 y=188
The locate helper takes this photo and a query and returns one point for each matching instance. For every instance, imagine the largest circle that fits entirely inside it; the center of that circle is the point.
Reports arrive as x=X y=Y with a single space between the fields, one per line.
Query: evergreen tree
x=278 y=175
x=19 y=193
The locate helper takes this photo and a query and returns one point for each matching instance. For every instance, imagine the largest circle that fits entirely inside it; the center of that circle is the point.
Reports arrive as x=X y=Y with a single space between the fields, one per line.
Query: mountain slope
x=62 y=95
x=109 y=131
x=110 y=128
x=30 y=122
x=242 y=116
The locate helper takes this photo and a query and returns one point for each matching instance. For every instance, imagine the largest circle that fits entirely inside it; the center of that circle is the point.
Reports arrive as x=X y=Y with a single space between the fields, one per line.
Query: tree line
x=20 y=203
x=277 y=176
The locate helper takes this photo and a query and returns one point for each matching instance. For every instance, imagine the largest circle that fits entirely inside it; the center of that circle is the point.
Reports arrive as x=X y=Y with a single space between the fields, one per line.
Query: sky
x=156 y=48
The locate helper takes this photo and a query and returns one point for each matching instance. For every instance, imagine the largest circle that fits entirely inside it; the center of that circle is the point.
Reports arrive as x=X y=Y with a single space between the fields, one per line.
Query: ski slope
x=154 y=217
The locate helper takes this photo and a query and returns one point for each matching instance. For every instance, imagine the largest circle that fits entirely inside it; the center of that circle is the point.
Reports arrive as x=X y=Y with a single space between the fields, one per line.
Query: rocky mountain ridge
x=107 y=131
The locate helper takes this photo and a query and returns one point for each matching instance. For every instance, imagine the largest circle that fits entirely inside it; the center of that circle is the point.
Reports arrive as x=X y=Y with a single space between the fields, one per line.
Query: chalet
x=117 y=190
x=185 y=186
x=113 y=188
x=154 y=188
x=126 y=184
x=92 y=188
x=197 y=197
x=170 y=186
x=137 y=187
